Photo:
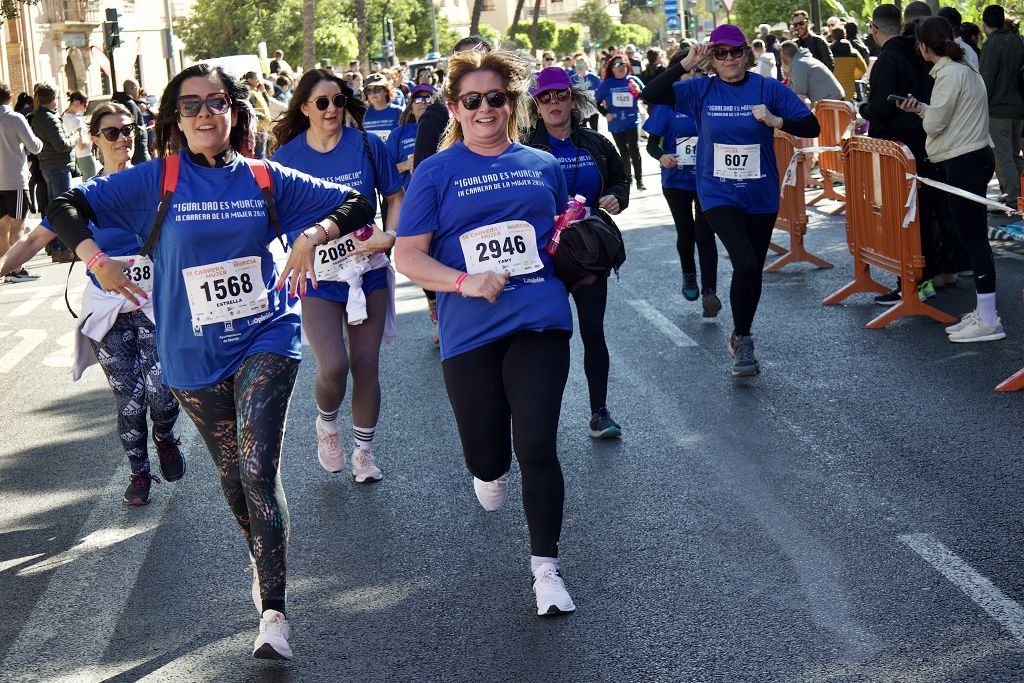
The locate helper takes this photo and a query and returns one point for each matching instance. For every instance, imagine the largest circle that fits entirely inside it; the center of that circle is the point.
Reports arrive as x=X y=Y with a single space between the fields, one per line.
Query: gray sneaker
x=745 y=364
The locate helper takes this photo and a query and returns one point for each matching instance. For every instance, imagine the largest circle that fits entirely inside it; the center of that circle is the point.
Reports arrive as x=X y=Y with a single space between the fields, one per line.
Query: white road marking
x=983 y=592
x=30 y=304
x=664 y=325
x=63 y=357
x=30 y=339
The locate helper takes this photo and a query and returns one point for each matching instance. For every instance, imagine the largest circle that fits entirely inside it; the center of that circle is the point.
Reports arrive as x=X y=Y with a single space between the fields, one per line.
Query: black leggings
x=628 y=143
x=746 y=237
x=519 y=378
x=693 y=230
x=971 y=172
x=242 y=421
x=590 y=304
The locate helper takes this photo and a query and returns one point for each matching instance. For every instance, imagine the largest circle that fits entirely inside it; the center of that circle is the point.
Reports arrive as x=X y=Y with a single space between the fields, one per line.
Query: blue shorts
x=338 y=291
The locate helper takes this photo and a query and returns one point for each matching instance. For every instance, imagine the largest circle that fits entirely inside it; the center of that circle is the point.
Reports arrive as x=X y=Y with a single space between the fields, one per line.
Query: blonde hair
x=514 y=71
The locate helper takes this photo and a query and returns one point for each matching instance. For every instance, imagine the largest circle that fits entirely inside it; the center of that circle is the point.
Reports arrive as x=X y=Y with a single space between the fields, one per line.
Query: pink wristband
x=95 y=258
x=458 y=283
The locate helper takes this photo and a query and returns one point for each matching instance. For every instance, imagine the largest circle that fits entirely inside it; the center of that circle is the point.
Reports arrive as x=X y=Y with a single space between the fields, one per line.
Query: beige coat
x=956 y=121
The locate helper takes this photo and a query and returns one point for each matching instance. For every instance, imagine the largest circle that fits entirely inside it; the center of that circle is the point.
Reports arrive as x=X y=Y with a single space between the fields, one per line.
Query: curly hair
x=170 y=139
x=583 y=104
x=512 y=68
x=293 y=122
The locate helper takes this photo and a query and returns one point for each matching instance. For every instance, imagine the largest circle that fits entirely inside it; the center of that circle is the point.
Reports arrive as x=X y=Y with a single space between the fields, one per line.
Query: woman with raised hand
x=737 y=114
x=356 y=284
x=474 y=230
x=117 y=333
x=618 y=98
x=227 y=330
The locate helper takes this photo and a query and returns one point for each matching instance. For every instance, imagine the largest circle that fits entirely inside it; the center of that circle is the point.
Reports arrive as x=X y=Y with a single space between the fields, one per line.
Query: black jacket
x=895 y=73
x=819 y=49
x=606 y=158
x=429 y=130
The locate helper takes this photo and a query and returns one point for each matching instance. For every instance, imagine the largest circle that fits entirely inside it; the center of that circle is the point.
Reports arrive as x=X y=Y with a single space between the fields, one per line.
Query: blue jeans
x=58 y=181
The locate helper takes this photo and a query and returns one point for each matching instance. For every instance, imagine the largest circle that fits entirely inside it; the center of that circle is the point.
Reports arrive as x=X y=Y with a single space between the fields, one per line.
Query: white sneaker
x=552 y=598
x=978 y=331
x=967 y=319
x=272 y=642
x=491 y=494
x=328 y=448
x=364 y=468
x=257 y=599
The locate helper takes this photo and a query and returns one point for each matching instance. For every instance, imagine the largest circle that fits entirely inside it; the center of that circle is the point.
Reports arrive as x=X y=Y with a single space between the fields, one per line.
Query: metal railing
x=65 y=11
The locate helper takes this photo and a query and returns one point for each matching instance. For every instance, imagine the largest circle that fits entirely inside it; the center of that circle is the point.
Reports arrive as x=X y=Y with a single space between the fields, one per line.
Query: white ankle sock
x=987 y=308
x=364 y=436
x=329 y=418
x=536 y=561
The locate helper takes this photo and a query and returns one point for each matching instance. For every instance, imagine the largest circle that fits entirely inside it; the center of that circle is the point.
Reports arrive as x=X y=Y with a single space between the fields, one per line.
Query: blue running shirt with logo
x=401 y=144
x=618 y=100
x=581 y=174
x=674 y=128
x=456 y=191
x=381 y=122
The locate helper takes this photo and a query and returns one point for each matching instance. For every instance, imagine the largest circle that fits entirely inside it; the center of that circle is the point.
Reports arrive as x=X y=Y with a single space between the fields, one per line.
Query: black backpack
x=588 y=250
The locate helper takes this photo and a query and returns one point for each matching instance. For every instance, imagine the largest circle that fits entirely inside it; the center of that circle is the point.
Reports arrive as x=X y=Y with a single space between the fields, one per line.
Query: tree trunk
x=533 y=27
x=364 y=35
x=308 y=24
x=474 y=24
x=514 y=28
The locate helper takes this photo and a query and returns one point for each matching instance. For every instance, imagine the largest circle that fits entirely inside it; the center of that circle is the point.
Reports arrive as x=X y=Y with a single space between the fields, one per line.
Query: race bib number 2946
x=502 y=247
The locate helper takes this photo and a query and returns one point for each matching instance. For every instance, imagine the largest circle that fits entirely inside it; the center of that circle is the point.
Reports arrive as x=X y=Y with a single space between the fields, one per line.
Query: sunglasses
x=549 y=59
x=546 y=96
x=495 y=98
x=422 y=99
x=799 y=23
x=617 y=64
x=216 y=103
x=374 y=90
x=323 y=101
x=112 y=134
x=721 y=53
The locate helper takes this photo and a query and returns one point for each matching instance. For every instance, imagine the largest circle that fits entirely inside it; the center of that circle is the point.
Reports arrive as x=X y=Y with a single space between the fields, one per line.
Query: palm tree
x=308 y=24
x=364 y=35
x=533 y=27
x=514 y=28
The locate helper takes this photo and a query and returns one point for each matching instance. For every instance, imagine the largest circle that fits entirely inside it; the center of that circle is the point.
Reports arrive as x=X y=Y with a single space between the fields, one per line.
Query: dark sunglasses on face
x=799 y=23
x=374 y=90
x=721 y=53
x=216 y=103
x=549 y=59
x=546 y=96
x=422 y=99
x=616 y=64
x=112 y=134
x=473 y=100
x=323 y=101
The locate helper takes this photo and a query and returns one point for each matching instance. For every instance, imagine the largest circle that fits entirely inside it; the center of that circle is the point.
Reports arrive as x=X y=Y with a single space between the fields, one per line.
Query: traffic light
x=112 y=29
x=650 y=3
x=689 y=20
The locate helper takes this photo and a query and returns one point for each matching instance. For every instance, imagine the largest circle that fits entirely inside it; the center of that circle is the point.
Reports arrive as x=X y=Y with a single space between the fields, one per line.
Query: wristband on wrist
x=312 y=235
x=97 y=260
x=327 y=235
x=458 y=283
x=392 y=233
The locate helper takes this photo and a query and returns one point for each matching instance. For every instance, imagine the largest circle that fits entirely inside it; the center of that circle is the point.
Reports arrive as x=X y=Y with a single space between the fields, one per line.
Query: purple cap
x=727 y=34
x=422 y=87
x=551 y=78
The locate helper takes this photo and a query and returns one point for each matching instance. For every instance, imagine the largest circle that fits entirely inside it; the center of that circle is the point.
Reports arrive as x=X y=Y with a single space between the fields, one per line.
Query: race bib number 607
x=502 y=247
x=225 y=291
x=737 y=162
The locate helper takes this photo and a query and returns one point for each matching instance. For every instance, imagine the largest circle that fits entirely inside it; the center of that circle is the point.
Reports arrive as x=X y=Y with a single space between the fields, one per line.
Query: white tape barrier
x=790 y=178
x=911 y=205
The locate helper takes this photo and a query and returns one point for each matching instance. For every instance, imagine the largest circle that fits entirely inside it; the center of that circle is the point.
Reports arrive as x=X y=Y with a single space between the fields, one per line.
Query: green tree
x=570 y=39
x=648 y=18
x=621 y=34
x=522 y=41
x=12 y=9
x=490 y=34
x=593 y=16
x=547 y=35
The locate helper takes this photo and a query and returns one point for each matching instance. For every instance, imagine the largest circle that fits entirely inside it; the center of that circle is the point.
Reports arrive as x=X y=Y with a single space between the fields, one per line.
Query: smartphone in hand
x=896 y=99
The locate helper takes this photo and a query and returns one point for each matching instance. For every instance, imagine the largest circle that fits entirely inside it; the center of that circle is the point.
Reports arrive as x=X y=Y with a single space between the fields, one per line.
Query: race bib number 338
x=140 y=272
x=225 y=291
x=502 y=247
x=737 y=162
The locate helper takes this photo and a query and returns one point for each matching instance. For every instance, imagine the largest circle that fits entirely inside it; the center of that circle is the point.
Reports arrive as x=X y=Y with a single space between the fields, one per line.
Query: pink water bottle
x=575 y=210
x=364 y=233
x=633 y=90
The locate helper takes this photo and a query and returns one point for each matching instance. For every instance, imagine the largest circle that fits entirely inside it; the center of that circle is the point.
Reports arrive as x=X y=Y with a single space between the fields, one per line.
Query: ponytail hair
x=936 y=34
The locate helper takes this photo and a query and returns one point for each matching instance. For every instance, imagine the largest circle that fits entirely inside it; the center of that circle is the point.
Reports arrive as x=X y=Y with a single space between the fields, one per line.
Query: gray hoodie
x=810 y=78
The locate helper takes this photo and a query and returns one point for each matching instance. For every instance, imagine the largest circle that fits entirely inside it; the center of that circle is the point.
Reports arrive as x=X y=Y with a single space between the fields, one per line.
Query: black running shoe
x=137 y=492
x=745 y=363
x=602 y=426
x=172 y=462
x=890 y=299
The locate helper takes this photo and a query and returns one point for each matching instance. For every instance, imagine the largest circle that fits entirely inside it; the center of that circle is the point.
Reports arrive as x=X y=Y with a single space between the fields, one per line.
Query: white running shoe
x=491 y=494
x=364 y=468
x=552 y=598
x=965 y=321
x=979 y=331
x=272 y=642
x=328 y=448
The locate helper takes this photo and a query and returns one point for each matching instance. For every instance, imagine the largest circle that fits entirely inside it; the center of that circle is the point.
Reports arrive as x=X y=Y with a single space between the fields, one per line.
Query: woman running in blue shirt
x=227 y=334
x=382 y=114
x=618 y=98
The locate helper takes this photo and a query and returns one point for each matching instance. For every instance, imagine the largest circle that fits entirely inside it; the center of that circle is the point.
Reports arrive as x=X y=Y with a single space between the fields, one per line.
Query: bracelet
x=311 y=235
x=391 y=233
x=458 y=283
x=97 y=260
x=327 y=236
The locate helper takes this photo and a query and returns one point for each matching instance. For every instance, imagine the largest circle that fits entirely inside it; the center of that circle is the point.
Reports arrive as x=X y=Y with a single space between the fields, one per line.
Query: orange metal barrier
x=836 y=118
x=792 y=210
x=877 y=189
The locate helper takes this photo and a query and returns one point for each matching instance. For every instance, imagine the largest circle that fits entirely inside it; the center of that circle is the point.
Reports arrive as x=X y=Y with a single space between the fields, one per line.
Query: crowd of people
x=472 y=168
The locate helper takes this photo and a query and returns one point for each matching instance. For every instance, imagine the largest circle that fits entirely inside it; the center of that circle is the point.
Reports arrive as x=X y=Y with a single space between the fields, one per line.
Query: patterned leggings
x=242 y=421
x=128 y=357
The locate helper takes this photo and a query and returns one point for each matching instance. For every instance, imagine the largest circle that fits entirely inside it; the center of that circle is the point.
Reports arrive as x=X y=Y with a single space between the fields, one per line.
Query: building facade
x=498 y=14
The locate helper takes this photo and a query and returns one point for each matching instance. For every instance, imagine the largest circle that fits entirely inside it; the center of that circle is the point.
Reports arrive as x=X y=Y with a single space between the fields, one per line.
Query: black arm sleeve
x=805 y=127
x=69 y=214
x=659 y=90
x=654 y=145
x=353 y=214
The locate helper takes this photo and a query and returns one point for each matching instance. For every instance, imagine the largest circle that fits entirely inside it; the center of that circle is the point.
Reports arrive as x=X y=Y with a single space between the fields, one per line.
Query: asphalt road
x=852 y=514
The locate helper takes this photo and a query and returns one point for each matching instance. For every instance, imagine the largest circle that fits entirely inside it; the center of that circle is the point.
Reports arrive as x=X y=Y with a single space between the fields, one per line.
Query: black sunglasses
x=721 y=53
x=373 y=90
x=111 y=134
x=216 y=103
x=323 y=101
x=425 y=99
x=618 y=64
x=798 y=23
x=546 y=96
x=549 y=59
x=473 y=100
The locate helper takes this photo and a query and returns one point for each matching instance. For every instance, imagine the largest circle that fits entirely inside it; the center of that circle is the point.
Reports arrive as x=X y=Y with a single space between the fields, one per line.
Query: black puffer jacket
x=896 y=73
x=606 y=158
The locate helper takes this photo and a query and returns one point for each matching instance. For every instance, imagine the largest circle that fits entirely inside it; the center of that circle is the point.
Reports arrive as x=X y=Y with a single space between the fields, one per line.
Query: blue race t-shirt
x=614 y=93
x=457 y=190
x=591 y=79
x=678 y=133
x=346 y=164
x=402 y=143
x=216 y=215
x=381 y=122
x=581 y=174
x=735 y=152
x=113 y=242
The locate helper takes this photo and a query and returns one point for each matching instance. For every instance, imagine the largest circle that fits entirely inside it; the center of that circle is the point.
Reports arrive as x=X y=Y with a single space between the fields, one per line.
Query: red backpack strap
x=261 y=171
x=170 y=165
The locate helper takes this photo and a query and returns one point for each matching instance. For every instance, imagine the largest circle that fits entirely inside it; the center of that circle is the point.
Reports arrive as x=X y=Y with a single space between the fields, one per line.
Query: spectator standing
x=77 y=128
x=850 y=65
x=852 y=35
x=283 y=89
x=805 y=37
x=1000 y=62
x=764 y=61
x=654 y=65
x=128 y=97
x=956 y=21
x=808 y=77
x=261 y=106
x=55 y=157
x=16 y=138
x=635 y=67
x=279 y=65
x=971 y=35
